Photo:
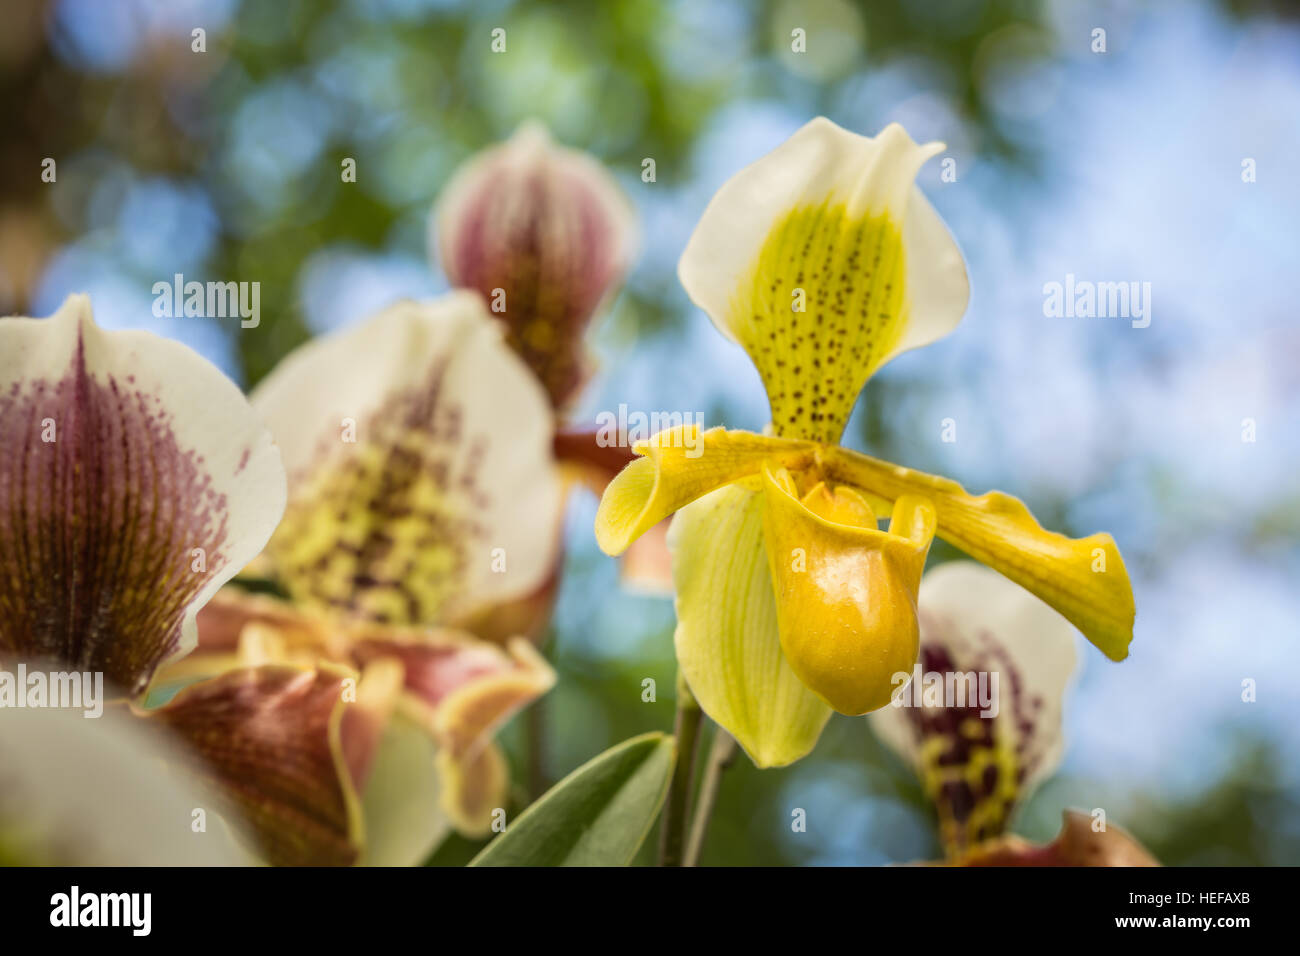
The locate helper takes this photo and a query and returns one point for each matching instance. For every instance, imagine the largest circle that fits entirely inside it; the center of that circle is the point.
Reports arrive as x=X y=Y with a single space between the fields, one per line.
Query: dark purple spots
x=956 y=739
x=101 y=511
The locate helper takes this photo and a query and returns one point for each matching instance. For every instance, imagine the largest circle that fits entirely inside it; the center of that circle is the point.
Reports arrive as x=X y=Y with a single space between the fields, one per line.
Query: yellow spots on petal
x=384 y=529
x=821 y=309
x=972 y=782
x=540 y=336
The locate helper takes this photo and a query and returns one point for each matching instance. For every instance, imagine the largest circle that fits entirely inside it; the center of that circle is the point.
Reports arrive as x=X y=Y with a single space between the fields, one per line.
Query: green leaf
x=598 y=815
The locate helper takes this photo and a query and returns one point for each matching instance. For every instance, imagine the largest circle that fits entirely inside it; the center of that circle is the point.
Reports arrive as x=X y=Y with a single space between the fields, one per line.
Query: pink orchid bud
x=545 y=235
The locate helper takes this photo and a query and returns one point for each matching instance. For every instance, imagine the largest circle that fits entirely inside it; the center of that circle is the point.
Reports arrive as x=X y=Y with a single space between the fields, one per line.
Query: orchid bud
x=545 y=235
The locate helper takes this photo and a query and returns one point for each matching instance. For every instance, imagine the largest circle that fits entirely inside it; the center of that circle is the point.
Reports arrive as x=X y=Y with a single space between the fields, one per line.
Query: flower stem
x=721 y=755
x=686 y=727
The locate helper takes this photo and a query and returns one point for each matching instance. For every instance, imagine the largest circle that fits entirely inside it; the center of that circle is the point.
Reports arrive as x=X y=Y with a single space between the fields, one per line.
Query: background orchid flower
x=292 y=750
x=338 y=755
x=452 y=692
x=140 y=481
x=977 y=764
x=267 y=762
x=422 y=491
x=545 y=234
x=824 y=261
x=135 y=481
x=422 y=485
x=1078 y=844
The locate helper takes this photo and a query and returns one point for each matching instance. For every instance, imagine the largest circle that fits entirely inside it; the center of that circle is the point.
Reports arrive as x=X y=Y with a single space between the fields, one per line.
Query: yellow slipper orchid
x=824 y=261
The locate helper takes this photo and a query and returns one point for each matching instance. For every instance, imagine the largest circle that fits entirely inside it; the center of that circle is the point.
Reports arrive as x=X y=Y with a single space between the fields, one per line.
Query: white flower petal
x=103 y=791
x=422 y=480
x=136 y=481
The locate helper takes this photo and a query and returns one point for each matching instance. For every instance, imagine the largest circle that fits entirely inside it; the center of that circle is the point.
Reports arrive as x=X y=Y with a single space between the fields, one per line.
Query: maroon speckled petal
x=549 y=227
x=287 y=747
x=977 y=764
x=115 y=516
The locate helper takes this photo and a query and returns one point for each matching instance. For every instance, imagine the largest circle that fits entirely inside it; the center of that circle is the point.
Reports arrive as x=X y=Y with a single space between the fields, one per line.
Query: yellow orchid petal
x=845 y=592
x=824 y=261
x=679 y=465
x=589 y=461
x=727 y=642
x=422 y=483
x=1082 y=578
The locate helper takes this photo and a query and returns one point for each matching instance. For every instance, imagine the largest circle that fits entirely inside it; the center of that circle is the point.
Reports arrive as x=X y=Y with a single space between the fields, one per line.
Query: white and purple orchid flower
x=979 y=721
x=348 y=724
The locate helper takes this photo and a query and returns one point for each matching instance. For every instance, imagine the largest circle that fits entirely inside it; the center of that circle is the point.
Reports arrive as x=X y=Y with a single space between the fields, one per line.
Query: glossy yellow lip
x=845 y=590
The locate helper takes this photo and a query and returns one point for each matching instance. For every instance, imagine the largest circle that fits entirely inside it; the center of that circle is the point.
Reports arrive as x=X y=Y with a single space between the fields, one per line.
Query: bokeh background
x=1116 y=166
